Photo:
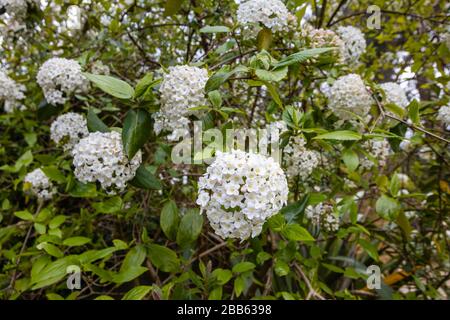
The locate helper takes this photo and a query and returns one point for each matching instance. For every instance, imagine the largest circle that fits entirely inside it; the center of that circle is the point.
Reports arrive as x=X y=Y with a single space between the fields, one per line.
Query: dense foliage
x=92 y=107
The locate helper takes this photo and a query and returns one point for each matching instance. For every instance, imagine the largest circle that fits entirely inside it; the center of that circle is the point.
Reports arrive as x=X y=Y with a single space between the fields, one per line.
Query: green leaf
x=301 y=56
x=134 y=258
x=339 y=135
x=76 y=241
x=113 y=86
x=24 y=215
x=403 y=222
x=108 y=206
x=369 y=248
x=292 y=116
x=351 y=159
x=143 y=85
x=137 y=293
x=222 y=275
x=281 y=268
x=387 y=207
x=51 y=249
x=221 y=76
x=264 y=39
x=169 y=219
x=128 y=274
x=54 y=174
x=137 y=128
x=24 y=161
x=275 y=75
x=56 y=221
x=394 y=185
x=293 y=210
x=45 y=110
x=239 y=285
x=163 y=258
x=214 y=29
x=94 y=123
x=145 y=179
x=190 y=228
x=215 y=98
x=295 y=232
x=242 y=267
x=51 y=273
x=215 y=294
x=414 y=111
x=83 y=190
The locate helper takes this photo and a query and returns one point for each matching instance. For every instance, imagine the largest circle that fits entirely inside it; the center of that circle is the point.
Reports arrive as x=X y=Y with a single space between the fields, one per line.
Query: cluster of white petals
x=240 y=191
x=59 y=78
x=323 y=38
x=272 y=14
x=444 y=114
x=99 y=68
x=395 y=94
x=355 y=43
x=348 y=96
x=100 y=157
x=406 y=144
x=323 y=216
x=181 y=89
x=16 y=8
x=378 y=150
x=10 y=93
x=39 y=185
x=68 y=129
x=300 y=162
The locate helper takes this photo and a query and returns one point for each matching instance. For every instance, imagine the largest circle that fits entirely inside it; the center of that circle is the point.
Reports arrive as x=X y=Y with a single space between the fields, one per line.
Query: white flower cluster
x=348 y=96
x=100 y=157
x=322 y=38
x=271 y=13
x=99 y=68
x=395 y=94
x=299 y=160
x=68 y=129
x=355 y=43
x=240 y=191
x=323 y=216
x=444 y=114
x=16 y=8
x=39 y=185
x=406 y=145
x=59 y=78
x=182 y=88
x=379 y=150
x=10 y=93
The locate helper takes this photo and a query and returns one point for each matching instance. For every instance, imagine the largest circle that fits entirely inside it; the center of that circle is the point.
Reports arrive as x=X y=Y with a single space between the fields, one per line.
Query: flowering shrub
x=224 y=149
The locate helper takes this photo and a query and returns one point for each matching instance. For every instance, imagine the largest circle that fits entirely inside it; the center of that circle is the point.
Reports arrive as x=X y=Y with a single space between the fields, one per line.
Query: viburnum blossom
x=355 y=43
x=395 y=94
x=100 y=157
x=406 y=144
x=323 y=216
x=182 y=88
x=323 y=38
x=16 y=8
x=378 y=150
x=10 y=93
x=348 y=97
x=240 y=191
x=300 y=162
x=59 y=78
x=39 y=185
x=272 y=14
x=68 y=129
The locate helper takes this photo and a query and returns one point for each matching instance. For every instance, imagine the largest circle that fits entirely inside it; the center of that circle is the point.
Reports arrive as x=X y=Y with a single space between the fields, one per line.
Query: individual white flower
x=300 y=162
x=39 y=185
x=348 y=97
x=10 y=93
x=323 y=38
x=378 y=150
x=100 y=157
x=68 y=129
x=240 y=191
x=323 y=216
x=444 y=115
x=181 y=89
x=406 y=145
x=271 y=13
x=395 y=94
x=59 y=78
x=355 y=43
